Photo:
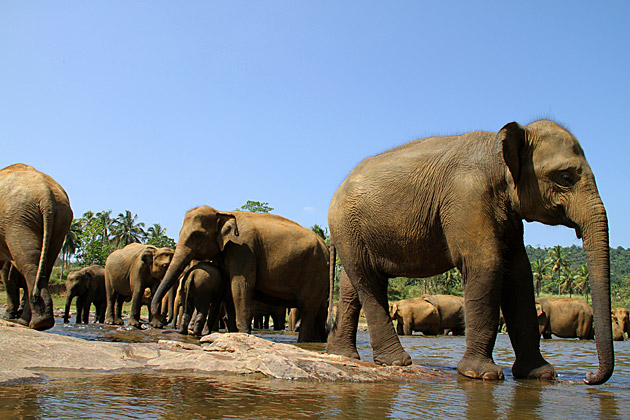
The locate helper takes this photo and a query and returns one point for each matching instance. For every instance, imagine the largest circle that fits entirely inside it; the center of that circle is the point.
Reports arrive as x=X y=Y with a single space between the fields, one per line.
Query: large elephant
x=203 y=288
x=13 y=281
x=88 y=286
x=452 y=313
x=441 y=202
x=35 y=217
x=264 y=256
x=565 y=318
x=128 y=272
x=415 y=314
x=621 y=323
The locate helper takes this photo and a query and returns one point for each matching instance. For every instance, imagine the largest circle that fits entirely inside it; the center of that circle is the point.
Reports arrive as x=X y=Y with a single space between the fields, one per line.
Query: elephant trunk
x=66 y=314
x=594 y=228
x=180 y=260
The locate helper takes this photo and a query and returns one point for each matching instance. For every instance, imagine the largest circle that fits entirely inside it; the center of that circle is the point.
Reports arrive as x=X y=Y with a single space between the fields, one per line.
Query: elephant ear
x=393 y=308
x=539 y=309
x=228 y=230
x=512 y=138
x=147 y=255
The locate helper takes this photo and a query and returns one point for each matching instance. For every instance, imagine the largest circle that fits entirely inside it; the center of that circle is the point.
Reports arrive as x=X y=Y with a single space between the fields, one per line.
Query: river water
x=151 y=395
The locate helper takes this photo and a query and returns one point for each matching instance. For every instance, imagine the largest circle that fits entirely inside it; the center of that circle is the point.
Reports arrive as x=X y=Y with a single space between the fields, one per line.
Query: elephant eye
x=564 y=178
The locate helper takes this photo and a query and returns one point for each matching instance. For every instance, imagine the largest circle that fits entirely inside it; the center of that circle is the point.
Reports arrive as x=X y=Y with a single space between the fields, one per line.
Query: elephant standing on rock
x=264 y=256
x=415 y=315
x=13 y=281
x=128 y=272
x=452 y=313
x=35 y=217
x=565 y=318
x=88 y=286
x=203 y=289
x=441 y=202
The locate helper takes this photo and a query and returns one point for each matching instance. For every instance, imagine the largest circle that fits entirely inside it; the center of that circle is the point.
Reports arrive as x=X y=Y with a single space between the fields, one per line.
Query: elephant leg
x=120 y=300
x=111 y=301
x=243 y=295
x=342 y=339
x=12 y=288
x=136 y=306
x=86 y=310
x=213 y=317
x=519 y=311
x=407 y=328
x=80 y=305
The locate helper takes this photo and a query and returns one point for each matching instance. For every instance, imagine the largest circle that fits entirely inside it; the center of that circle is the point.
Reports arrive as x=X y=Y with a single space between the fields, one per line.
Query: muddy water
x=150 y=395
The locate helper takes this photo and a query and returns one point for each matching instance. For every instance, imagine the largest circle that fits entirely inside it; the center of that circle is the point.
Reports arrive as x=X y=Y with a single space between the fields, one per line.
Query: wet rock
x=26 y=353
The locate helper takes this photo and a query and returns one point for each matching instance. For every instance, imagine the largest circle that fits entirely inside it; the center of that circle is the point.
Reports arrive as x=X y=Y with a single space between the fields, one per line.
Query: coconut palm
x=581 y=280
x=538 y=272
x=126 y=230
x=70 y=244
x=557 y=260
x=107 y=224
x=156 y=235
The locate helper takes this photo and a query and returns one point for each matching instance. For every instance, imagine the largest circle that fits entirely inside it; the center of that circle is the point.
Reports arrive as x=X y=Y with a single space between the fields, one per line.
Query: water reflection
x=147 y=394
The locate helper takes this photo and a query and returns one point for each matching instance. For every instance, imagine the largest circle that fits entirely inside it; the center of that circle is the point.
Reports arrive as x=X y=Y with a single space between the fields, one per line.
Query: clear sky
x=160 y=106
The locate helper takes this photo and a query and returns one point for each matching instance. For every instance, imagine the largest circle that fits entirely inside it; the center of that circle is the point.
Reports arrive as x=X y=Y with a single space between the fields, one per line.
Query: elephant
x=88 y=286
x=264 y=256
x=13 y=281
x=294 y=320
x=451 y=310
x=565 y=318
x=128 y=272
x=459 y=201
x=35 y=216
x=621 y=323
x=264 y=311
x=203 y=289
x=417 y=314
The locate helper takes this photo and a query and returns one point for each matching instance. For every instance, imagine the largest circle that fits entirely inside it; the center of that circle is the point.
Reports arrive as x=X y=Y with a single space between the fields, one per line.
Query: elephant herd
x=416 y=210
x=444 y=314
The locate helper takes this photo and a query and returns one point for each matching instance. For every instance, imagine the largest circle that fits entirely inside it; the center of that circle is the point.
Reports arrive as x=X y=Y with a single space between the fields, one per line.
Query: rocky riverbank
x=26 y=354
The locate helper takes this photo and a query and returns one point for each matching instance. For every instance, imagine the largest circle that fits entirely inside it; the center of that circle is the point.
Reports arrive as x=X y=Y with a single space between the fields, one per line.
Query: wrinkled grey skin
x=128 y=272
x=35 y=217
x=441 y=202
x=13 y=281
x=88 y=286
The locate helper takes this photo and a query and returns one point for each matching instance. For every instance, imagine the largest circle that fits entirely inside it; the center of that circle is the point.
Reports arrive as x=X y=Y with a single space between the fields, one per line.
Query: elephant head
x=393 y=311
x=551 y=182
x=204 y=234
x=157 y=260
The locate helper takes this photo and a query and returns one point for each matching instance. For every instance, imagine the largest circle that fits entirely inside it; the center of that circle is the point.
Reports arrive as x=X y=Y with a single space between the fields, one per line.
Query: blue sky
x=158 y=107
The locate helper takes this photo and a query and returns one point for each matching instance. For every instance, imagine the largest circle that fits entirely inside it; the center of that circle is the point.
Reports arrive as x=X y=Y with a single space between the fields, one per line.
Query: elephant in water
x=565 y=318
x=35 y=217
x=128 y=273
x=415 y=314
x=621 y=323
x=88 y=286
x=427 y=206
x=451 y=310
x=265 y=257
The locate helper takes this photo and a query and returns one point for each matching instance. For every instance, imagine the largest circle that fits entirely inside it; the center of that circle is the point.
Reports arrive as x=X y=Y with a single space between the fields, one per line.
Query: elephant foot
x=156 y=323
x=543 y=371
x=339 y=347
x=134 y=323
x=400 y=358
x=479 y=369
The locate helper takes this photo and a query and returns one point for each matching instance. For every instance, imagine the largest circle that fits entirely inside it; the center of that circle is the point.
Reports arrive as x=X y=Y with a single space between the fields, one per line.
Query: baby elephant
x=415 y=315
x=565 y=318
x=202 y=288
x=128 y=272
x=88 y=286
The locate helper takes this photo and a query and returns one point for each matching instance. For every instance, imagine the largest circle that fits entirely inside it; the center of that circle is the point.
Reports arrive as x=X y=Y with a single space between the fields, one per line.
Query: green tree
x=70 y=244
x=256 y=207
x=92 y=250
x=126 y=230
x=558 y=260
x=582 y=282
x=538 y=273
x=107 y=224
x=157 y=237
x=322 y=233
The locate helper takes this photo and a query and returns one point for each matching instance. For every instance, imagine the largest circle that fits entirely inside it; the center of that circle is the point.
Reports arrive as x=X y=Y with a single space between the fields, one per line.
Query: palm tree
x=582 y=282
x=126 y=230
x=107 y=224
x=156 y=235
x=70 y=244
x=538 y=273
x=557 y=261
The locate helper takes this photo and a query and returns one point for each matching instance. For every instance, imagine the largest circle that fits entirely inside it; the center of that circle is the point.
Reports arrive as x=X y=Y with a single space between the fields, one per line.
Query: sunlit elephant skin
x=415 y=314
x=452 y=313
x=441 y=202
x=35 y=217
x=565 y=318
x=128 y=272
x=265 y=257
x=88 y=286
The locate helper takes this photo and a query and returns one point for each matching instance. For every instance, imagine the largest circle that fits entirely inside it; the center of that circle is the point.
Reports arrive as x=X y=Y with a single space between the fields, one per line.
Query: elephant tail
x=47 y=222
x=331 y=275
